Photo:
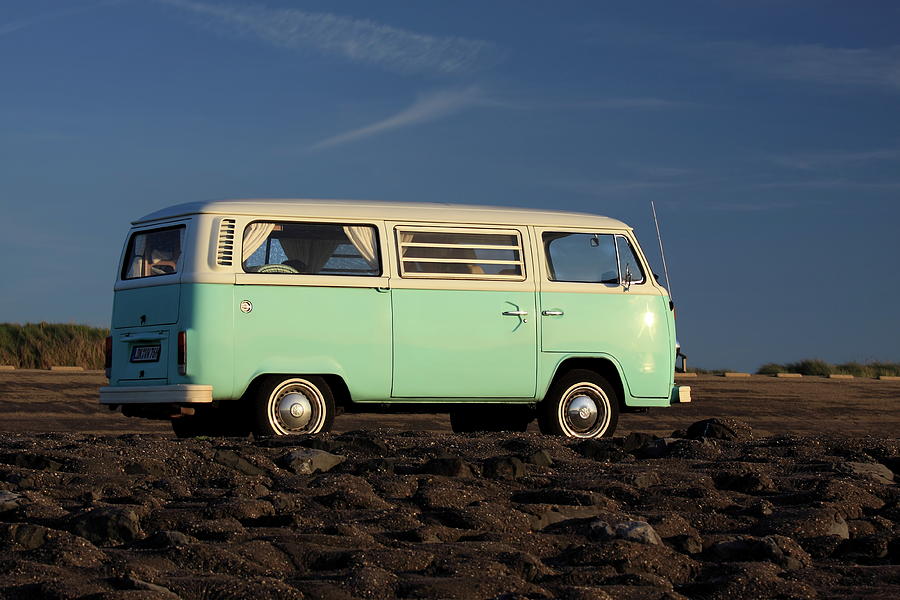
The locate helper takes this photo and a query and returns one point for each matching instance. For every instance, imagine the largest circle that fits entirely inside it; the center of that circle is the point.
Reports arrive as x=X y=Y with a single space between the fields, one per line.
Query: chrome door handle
x=551 y=313
x=515 y=313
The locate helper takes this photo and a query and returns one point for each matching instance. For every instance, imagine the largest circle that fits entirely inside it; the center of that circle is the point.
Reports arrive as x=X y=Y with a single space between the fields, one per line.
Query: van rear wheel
x=294 y=405
x=580 y=404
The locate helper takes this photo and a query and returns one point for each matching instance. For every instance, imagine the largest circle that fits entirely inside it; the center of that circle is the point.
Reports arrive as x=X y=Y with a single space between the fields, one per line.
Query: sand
x=781 y=488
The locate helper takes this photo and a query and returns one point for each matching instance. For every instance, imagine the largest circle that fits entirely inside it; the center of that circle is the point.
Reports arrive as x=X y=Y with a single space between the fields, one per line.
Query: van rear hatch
x=146 y=306
x=142 y=357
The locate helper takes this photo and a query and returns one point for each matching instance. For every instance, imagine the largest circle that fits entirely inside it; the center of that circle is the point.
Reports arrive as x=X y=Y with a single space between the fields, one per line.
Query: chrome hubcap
x=582 y=413
x=294 y=410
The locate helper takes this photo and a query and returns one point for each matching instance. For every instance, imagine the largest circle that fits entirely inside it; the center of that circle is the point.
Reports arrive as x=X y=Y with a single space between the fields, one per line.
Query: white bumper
x=681 y=394
x=156 y=394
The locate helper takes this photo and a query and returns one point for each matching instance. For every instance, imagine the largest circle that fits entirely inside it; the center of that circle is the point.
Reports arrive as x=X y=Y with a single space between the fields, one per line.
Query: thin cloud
x=356 y=40
x=13 y=26
x=816 y=63
x=832 y=184
x=426 y=108
x=833 y=159
x=630 y=103
x=750 y=207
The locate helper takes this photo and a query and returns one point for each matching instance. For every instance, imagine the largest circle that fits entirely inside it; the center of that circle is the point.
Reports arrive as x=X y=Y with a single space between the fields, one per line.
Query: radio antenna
x=662 y=252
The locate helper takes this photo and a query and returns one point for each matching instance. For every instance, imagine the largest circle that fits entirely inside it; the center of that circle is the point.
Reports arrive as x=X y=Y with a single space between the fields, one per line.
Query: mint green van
x=273 y=316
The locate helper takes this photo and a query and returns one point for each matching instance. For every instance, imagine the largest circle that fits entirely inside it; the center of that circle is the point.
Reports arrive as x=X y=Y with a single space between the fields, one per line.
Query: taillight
x=107 y=362
x=182 y=352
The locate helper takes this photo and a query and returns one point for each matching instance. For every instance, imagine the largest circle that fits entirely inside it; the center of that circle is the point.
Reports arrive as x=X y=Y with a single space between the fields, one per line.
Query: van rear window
x=283 y=248
x=154 y=252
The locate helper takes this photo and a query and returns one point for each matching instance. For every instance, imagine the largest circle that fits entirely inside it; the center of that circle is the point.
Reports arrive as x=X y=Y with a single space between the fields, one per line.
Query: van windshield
x=153 y=253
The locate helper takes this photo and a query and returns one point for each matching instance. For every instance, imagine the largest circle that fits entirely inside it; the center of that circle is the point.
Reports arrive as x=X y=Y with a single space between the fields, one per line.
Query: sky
x=767 y=134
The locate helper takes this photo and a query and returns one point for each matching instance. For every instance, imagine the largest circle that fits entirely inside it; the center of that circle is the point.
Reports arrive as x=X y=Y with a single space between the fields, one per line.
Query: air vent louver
x=225 y=252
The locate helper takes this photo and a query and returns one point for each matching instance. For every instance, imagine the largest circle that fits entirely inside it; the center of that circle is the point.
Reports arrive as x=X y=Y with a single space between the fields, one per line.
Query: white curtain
x=363 y=239
x=254 y=236
x=312 y=253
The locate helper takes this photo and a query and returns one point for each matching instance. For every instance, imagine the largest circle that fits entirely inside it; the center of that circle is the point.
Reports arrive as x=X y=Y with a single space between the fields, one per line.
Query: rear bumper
x=681 y=394
x=156 y=394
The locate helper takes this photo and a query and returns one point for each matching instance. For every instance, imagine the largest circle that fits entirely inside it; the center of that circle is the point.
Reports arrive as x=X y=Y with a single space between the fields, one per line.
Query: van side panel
x=632 y=327
x=459 y=344
x=299 y=329
x=208 y=320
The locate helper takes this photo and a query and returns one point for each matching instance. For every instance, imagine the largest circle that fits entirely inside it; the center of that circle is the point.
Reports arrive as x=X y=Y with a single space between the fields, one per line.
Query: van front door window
x=581 y=257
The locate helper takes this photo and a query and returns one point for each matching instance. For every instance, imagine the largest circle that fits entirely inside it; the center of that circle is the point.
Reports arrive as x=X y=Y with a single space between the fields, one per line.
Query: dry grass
x=819 y=368
x=41 y=345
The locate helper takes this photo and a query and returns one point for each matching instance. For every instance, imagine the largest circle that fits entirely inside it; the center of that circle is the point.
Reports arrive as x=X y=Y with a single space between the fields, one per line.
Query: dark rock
x=805 y=522
x=158 y=590
x=558 y=496
x=633 y=531
x=363 y=443
x=306 y=461
x=630 y=557
x=777 y=549
x=24 y=536
x=759 y=508
x=316 y=443
x=654 y=448
x=167 y=539
x=635 y=440
x=875 y=472
x=11 y=501
x=450 y=467
x=748 y=483
x=152 y=468
x=643 y=479
x=31 y=461
x=541 y=458
x=600 y=450
x=239 y=463
x=867 y=549
x=720 y=429
x=381 y=466
x=746 y=580
x=686 y=543
x=503 y=467
x=107 y=525
x=823 y=546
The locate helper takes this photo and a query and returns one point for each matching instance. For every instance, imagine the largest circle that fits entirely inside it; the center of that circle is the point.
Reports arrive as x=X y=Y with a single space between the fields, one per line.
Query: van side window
x=628 y=260
x=581 y=257
x=439 y=253
x=152 y=253
x=310 y=249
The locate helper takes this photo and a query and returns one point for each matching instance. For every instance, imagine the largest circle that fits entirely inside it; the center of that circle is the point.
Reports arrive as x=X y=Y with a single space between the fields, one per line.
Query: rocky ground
x=711 y=512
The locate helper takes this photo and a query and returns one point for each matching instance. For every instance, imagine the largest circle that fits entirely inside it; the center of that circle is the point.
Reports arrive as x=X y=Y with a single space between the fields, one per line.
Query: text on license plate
x=145 y=354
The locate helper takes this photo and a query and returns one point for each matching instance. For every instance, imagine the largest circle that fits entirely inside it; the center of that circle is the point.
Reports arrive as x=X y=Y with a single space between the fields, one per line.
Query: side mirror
x=628 y=277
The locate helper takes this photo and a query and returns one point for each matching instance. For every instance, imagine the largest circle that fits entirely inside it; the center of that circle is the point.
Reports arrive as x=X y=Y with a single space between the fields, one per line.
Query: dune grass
x=42 y=345
x=819 y=368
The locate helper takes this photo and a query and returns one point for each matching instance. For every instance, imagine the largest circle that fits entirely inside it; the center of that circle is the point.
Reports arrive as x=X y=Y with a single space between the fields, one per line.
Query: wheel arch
x=603 y=366
x=335 y=382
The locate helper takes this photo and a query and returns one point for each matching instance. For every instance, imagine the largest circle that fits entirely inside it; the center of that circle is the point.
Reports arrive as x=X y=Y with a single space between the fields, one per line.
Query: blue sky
x=767 y=133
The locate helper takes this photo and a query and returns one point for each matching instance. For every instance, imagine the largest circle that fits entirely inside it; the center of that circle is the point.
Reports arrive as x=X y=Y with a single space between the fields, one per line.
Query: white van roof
x=390 y=211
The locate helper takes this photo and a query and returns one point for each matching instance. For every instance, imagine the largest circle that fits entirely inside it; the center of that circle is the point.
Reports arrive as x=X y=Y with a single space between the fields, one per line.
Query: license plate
x=145 y=354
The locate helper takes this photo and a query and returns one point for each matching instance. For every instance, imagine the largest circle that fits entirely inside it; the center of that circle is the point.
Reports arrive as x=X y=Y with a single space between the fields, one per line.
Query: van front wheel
x=581 y=404
x=286 y=406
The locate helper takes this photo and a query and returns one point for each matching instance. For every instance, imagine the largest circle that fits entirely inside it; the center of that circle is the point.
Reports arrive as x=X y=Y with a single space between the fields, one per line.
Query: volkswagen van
x=273 y=316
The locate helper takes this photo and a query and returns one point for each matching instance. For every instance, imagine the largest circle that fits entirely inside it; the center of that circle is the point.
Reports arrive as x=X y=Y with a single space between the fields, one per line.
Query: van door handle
x=552 y=313
x=515 y=313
